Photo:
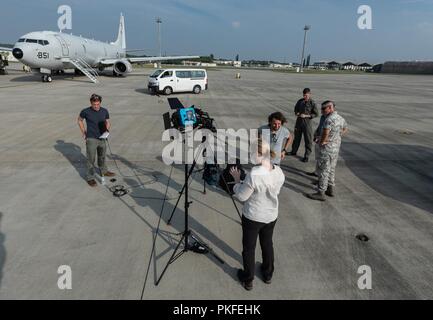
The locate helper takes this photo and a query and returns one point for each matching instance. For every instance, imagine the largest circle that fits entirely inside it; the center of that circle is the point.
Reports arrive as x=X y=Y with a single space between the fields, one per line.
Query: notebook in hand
x=104 y=135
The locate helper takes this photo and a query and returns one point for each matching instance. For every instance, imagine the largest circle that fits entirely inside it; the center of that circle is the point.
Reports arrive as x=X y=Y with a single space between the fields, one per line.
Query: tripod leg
x=204 y=186
x=231 y=195
x=171 y=258
x=175 y=206
x=210 y=250
x=181 y=191
x=236 y=207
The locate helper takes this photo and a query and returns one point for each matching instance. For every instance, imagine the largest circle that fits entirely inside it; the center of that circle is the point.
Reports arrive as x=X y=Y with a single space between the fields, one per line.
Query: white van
x=168 y=81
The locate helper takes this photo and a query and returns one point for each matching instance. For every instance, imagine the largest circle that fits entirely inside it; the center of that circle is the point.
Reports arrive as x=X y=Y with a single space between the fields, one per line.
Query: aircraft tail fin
x=121 y=39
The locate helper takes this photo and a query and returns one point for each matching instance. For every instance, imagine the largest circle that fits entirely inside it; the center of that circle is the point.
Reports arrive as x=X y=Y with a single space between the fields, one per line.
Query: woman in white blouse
x=259 y=192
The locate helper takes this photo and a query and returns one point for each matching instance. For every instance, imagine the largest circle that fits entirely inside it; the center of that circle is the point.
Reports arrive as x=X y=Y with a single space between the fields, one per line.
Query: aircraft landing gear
x=46 y=78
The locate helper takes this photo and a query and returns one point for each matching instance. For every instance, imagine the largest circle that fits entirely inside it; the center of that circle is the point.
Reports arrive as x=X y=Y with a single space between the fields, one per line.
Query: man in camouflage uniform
x=334 y=128
x=316 y=139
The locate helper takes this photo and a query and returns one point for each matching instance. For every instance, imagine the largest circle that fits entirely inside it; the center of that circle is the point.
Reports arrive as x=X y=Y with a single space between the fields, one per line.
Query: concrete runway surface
x=51 y=217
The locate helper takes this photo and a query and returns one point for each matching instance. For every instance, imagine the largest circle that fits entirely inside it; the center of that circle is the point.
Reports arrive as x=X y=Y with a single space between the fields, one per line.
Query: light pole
x=159 y=21
x=306 y=28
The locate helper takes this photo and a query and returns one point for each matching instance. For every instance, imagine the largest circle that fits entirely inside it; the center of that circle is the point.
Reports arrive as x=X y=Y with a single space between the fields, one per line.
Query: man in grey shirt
x=276 y=135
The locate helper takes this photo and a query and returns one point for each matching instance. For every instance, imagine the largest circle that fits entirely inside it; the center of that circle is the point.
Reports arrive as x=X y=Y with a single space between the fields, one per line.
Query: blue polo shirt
x=95 y=121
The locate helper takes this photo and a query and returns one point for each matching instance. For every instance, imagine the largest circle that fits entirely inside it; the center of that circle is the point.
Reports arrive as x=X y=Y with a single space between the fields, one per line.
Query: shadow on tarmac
x=401 y=172
x=2 y=251
x=147 y=197
x=73 y=154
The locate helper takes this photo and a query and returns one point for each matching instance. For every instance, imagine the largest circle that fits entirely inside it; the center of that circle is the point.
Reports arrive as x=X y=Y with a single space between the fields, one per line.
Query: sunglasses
x=274 y=137
x=95 y=97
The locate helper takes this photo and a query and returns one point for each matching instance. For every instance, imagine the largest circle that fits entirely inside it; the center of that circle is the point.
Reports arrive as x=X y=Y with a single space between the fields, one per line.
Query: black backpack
x=175 y=119
x=226 y=181
x=210 y=174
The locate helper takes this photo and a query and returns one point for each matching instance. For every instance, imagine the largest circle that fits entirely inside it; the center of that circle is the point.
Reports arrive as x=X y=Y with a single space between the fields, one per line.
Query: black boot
x=330 y=191
x=248 y=285
x=312 y=174
x=317 y=196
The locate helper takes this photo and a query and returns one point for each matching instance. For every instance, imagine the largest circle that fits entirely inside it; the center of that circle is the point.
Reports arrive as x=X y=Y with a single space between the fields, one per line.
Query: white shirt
x=260 y=191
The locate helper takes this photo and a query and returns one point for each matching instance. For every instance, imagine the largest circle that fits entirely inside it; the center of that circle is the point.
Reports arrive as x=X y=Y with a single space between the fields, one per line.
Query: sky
x=254 y=29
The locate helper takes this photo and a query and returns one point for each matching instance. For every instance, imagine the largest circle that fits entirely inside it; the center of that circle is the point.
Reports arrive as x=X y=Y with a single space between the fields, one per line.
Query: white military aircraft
x=48 y=52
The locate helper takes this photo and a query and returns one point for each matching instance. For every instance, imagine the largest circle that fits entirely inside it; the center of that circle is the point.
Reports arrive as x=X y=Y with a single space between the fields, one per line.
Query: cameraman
x=259 y=191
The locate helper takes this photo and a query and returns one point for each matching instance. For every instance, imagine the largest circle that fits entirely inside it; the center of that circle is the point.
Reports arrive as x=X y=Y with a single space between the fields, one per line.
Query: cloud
x=236 y=24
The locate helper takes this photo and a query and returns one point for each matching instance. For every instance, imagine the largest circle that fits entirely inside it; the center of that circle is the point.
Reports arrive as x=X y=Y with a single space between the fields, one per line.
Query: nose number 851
x=43 y=55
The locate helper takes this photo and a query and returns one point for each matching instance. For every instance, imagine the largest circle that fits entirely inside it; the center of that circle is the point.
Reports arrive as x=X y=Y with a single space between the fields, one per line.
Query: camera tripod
x=196 y=245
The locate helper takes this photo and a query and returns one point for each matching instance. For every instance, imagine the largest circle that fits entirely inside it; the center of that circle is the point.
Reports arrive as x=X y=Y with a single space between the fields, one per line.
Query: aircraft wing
x=5 y=49
x=151 y=59
x=147 y=59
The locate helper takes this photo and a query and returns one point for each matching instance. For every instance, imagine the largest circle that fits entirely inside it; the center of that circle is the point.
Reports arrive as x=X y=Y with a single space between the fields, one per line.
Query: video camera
x=183 y=117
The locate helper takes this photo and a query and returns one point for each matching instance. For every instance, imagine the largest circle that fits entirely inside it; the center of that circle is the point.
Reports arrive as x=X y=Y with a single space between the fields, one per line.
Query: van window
x=167 y=74
x=197 y=74
x=156 y=73
x=183 y=74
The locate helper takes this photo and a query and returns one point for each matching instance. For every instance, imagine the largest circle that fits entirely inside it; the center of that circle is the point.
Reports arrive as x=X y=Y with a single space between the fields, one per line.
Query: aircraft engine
x=122 y=67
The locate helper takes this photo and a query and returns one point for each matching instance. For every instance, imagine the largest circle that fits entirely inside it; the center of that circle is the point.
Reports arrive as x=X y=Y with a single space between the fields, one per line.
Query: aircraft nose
x=17 y=53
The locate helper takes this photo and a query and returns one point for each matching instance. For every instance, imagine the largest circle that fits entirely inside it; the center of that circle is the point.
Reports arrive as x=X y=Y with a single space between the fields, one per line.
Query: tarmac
x=50 y=217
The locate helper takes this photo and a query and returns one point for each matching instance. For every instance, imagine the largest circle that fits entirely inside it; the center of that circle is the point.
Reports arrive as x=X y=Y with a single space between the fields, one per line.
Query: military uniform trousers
x=303 y=127
x=326 y=165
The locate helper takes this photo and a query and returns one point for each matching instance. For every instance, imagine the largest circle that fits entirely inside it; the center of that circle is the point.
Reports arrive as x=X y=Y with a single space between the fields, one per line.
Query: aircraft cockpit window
x=22 y=40
x=46 y=42
x=32 y=41
x=41 y=42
